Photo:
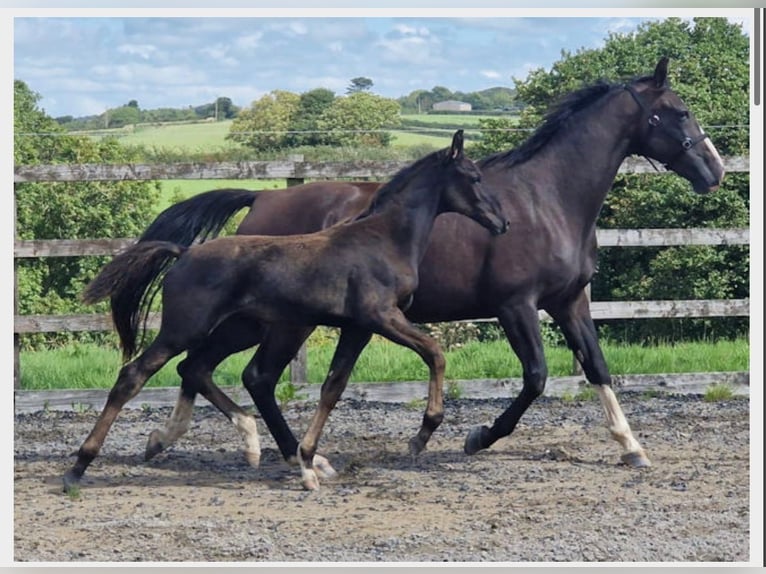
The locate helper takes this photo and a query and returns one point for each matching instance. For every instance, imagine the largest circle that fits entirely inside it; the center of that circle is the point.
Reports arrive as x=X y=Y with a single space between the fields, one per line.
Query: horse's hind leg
x=130 y=381
x=351 y=343
x=196 y=373
x=581 y=335
x=261 y=376
x=522 y=328
x=398 y=329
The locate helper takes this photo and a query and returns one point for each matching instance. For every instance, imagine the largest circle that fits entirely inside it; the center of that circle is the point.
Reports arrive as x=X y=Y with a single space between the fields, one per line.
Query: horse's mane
x=555 y=119
x=399 y=181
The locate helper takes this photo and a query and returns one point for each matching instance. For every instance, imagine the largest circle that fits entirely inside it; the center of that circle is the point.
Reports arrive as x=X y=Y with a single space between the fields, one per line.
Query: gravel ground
x=552 y=492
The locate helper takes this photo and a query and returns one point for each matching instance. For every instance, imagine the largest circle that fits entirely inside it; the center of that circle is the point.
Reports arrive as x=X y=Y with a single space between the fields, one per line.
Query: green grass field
x=89 y=366
x=193 y=136
x=207 y=136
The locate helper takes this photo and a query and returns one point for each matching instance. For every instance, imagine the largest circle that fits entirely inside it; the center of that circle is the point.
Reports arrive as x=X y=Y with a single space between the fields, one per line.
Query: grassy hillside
x=210 y=136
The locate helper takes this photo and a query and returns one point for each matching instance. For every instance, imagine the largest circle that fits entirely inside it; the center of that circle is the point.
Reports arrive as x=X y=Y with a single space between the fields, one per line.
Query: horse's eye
x=683 y=115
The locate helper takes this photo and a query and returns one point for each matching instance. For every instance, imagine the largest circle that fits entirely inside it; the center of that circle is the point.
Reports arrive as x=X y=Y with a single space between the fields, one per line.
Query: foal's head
x=464 y=192
x=671 y=134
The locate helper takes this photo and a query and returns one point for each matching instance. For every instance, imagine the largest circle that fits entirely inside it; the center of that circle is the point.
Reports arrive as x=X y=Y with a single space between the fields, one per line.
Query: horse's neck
x=407 y=218
x=586 y=157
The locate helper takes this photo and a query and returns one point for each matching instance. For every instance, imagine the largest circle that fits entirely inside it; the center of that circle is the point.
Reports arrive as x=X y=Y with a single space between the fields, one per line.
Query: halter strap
x=655 y=121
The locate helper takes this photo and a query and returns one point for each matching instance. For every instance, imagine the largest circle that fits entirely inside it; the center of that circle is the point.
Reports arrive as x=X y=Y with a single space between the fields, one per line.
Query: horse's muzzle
x=502 y=228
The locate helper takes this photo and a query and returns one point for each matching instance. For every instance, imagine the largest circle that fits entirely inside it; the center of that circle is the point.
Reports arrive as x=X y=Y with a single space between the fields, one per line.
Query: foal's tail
x=131 y=280
x=198 y=218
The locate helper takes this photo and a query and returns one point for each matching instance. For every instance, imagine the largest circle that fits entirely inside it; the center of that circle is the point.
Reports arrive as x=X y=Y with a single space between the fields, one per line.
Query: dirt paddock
x=552 y=492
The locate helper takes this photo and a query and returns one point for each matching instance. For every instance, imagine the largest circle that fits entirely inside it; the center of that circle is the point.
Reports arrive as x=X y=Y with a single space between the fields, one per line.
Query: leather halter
x=655 y=121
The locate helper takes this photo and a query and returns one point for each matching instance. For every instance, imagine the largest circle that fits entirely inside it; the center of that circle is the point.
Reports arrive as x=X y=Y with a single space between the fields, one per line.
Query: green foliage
x=282 y=120
x=360 y=119
x=359 y=84
x=304 y=129
x=266 y=123
x=716 y=393
x=491 y=99
x=287 y=392
x=75 y=210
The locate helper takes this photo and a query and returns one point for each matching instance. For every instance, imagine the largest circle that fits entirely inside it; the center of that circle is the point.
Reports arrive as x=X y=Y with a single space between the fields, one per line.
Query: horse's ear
x=661 y=73
x=457 y=145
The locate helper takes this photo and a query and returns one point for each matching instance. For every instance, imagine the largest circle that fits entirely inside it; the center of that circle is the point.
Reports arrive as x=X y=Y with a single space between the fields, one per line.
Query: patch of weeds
x=586 y=394
x=81 y=408
x=454 y=390
x=286 y=392
x=715 y=393
x=74 y=493
x=415 y=404
x=652 y=394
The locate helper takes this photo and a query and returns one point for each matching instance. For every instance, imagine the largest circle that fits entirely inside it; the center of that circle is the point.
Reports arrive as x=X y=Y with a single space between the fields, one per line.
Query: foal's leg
x=581 y=335
x=234 y=335
x=130 y=381
x=398 y=329
x=260 y=378
x=350 y=345
x=522 y=328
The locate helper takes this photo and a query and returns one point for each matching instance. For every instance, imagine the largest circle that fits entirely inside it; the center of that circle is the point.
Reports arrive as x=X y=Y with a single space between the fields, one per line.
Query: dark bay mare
x=357 y=275
x=552 y=187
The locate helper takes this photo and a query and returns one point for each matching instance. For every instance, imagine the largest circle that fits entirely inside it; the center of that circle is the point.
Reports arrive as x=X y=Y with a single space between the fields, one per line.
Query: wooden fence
x=296 y=172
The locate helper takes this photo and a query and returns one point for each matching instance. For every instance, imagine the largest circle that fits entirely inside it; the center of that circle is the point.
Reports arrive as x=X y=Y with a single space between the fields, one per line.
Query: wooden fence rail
x=296 y=172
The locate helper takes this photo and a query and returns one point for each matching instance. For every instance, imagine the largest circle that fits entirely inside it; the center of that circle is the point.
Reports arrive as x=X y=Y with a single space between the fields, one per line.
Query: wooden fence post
x=16 y=336
x=299 y=366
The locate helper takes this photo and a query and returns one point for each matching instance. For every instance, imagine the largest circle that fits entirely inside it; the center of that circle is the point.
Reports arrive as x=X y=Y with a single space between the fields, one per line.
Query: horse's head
x=465 y=193
x=670 y=134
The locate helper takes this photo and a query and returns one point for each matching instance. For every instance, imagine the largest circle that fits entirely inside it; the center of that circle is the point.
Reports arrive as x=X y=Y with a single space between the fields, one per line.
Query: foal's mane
x=557 y=117
x=400 y=180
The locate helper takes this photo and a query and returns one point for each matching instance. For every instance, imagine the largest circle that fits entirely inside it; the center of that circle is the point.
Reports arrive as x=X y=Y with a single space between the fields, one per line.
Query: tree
x=359 y=84
x=360 y=119
x=304 y=128
x=123 y=116
x=265 y=125
x=68 y=210
x=709 y=70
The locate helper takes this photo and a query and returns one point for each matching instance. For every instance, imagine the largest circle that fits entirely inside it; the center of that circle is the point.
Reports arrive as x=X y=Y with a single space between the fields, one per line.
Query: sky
x=86 y=65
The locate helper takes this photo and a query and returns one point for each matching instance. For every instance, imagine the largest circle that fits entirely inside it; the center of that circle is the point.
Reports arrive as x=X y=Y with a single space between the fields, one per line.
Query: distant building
x=452 y=106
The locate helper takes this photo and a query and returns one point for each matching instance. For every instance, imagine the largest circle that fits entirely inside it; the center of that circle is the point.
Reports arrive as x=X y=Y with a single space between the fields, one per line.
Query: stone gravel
x=552 y=492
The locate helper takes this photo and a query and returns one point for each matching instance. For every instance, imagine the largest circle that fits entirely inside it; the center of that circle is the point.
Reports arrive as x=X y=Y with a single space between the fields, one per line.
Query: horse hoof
x=416 y=446
x=310 y=480
x=253 y=458
x=323 y=468
x=473 y=442
x=154 y=446
x=71 y=482
x=636 y=459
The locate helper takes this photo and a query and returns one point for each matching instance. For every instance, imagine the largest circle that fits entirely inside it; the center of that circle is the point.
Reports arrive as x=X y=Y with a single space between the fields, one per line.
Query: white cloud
x=490 y=74
x=249 y=41
x=144 y=51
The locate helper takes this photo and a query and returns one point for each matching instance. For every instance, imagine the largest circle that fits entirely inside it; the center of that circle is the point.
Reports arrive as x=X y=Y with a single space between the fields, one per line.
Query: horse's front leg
x=577 y=325
x=261 y=376
x=351 y=343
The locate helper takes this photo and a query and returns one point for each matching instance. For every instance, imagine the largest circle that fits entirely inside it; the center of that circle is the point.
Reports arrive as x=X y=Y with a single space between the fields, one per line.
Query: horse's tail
x=198 y=218
x=131 y=280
